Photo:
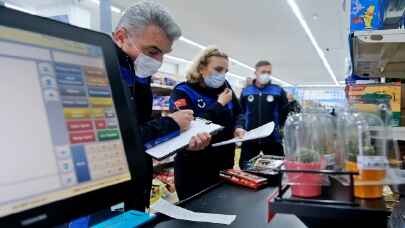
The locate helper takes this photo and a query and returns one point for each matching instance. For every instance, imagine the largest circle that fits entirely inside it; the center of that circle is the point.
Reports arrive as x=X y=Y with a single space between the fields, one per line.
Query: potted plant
x=305 y=184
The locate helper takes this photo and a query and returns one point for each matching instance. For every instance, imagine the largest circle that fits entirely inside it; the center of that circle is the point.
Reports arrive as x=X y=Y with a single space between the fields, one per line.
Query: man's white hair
x=149 y=12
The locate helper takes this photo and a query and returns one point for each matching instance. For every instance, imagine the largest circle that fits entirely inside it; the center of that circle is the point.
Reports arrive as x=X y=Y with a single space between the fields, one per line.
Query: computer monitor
x=68 y=145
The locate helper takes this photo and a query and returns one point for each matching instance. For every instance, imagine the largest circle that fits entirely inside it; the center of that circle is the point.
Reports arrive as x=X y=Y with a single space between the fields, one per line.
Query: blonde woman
x=209 y=95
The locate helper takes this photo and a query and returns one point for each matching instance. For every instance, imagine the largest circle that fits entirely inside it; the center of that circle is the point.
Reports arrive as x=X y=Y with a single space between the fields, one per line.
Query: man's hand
x=183 y=118
x=225 y=97
x=239 y=133
x=199 y=142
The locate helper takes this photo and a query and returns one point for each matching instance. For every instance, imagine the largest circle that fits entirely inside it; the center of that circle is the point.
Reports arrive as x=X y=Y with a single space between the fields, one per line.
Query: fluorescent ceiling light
x=188 y=41
x=116 y=9
x=11 y=6
x=177 y=59
x=236 y=76
x=195 y=44
x=297 y=12
x=242 y=64
x=113 y=8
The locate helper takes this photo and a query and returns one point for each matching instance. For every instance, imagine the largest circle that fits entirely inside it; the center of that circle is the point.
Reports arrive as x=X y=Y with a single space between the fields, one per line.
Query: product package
x=369 y=98
x=243 y=178
x=366 y=14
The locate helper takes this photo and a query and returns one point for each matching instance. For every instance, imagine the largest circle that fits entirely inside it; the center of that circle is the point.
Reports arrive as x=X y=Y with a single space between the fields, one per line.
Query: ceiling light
x=297 y=12
x=11 y=6
x=177 y=59
x=236 y=76
x=116 y=9
x=195 y=44
x=188 y=41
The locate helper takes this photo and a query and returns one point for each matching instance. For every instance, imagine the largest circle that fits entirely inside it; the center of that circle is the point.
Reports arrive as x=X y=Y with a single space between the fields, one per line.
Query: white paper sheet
x=197 y=126
x=257 y=133
x=173 y=211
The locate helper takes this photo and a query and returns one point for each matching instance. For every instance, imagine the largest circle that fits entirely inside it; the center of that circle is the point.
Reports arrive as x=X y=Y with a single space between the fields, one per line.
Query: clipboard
x=257 y=133
x=170 y=147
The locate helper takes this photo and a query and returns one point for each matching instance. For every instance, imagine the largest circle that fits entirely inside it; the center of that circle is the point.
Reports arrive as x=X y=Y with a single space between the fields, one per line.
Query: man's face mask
x=264 y=79
x=146 y=66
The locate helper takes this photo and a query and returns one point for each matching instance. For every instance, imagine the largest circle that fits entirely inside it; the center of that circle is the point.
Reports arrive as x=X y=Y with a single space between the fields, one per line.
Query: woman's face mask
x=214 y=72
x=215 y=80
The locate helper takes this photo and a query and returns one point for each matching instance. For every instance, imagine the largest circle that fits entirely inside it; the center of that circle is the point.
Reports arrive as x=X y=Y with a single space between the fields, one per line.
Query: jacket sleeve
x=241 y=119
x=284 y=107
x=238 y=112
x=158 y=128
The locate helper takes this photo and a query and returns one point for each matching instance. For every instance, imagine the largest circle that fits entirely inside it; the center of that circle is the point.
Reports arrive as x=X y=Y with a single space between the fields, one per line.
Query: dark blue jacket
x=263 y=105
x=203 y=101
x=151 y=130
x=141 y=94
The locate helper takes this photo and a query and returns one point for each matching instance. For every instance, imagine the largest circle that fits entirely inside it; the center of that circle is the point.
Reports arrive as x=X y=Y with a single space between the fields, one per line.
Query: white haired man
x=144 y=34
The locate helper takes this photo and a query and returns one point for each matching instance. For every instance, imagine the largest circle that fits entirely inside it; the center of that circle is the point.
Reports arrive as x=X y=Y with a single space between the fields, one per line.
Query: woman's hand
x=199 y=142
x=239 y=133
x=225 y=97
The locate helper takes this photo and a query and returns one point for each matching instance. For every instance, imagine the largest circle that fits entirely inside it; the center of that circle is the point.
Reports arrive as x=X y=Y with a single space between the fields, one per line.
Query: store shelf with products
x=398 y=133
x=160 y=108
x=163 y=180
x=163 y=164
x=160 y=87
x=163 y=83
x=379 y=53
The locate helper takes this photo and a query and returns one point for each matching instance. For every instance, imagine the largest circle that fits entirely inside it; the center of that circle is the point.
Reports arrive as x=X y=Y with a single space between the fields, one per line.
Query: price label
x=372 y=162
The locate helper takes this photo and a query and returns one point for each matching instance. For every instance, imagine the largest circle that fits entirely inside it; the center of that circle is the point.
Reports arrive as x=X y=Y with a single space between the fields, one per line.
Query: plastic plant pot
x=366 y=191
x=306 y=185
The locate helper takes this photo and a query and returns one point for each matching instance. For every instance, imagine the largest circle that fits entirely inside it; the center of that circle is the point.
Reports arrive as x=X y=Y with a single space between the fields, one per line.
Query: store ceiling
x=262 y=29
x=266 y=29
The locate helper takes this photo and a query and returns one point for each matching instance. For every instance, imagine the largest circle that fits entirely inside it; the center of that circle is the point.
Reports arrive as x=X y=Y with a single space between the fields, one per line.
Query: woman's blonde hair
x=193 y=74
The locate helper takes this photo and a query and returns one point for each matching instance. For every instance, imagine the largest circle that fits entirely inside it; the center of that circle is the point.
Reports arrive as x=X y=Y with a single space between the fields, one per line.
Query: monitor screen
x=60 y=132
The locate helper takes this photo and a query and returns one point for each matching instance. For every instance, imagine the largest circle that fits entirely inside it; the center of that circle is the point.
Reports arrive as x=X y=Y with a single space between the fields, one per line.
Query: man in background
x=263 y=102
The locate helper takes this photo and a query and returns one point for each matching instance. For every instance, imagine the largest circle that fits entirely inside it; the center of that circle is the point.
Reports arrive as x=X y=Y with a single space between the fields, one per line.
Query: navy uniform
x=261 y=106
x=197 y=170
x=150 y=129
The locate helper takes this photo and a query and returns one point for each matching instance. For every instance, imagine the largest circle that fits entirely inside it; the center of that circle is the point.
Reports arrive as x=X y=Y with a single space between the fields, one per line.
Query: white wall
x=77 y=14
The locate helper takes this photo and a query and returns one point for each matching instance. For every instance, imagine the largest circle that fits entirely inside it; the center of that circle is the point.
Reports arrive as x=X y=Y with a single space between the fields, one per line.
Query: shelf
x=158 y=108
x=162 y=87
x=398 y=132
x=161 y=165
x=379 y=53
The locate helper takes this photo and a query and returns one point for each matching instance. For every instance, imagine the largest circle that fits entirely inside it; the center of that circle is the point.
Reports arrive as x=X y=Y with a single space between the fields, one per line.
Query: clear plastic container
x=363 y=146
x=308 y=141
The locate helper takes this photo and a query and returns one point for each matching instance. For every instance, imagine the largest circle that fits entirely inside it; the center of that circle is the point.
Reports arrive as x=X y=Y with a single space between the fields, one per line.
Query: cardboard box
x=366 y=14
x=368 y=98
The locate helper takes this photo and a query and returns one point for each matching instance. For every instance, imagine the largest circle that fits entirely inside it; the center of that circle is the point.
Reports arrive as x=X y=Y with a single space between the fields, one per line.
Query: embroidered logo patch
x=270 y=98
x=180 y=103
x=251 y=98
x=201 y=103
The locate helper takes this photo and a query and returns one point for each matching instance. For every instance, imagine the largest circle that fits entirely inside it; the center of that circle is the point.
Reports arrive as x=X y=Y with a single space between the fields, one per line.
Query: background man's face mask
x=264 y=79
